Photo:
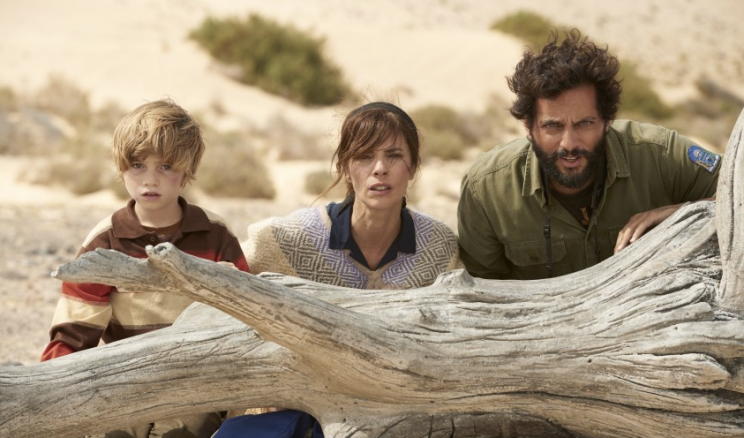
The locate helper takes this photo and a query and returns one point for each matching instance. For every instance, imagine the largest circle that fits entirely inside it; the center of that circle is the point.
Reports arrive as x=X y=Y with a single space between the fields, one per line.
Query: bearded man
x=581 y=186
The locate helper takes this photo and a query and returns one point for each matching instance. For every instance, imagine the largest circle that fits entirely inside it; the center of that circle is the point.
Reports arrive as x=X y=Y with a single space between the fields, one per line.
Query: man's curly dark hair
x=561 y=67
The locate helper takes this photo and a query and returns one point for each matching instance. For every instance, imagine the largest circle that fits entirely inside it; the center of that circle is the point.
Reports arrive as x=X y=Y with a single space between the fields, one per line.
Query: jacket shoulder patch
x=705 y=159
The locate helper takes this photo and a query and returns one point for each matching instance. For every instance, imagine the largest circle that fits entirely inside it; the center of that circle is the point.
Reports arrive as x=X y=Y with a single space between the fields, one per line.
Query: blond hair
x=159 y=128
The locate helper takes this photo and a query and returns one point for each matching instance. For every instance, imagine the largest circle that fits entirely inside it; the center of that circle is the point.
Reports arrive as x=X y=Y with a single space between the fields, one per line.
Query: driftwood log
x=649 y=343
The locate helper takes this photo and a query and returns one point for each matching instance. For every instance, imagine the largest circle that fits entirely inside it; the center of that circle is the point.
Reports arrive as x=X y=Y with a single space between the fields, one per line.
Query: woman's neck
x=374 y=231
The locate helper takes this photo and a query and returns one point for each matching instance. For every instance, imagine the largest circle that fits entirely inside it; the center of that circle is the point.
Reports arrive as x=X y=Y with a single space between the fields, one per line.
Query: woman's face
x=380 y=178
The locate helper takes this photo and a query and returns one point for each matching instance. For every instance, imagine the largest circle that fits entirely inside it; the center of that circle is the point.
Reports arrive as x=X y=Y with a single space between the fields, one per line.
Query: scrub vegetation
x=317 y=181
x=69 y=143
x=230 y=167
x=279 y=59
x=447 y=133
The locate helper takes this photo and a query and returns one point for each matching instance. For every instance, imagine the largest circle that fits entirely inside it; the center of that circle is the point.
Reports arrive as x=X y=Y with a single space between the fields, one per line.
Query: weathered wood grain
x=649 y=343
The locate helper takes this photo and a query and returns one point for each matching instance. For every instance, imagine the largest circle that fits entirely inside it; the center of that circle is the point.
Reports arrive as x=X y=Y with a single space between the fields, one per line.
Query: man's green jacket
x=502 y=210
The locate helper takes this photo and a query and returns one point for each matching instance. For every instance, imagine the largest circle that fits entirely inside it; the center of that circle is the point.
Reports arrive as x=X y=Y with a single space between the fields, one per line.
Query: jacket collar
x=617 y=162
x=532 y=175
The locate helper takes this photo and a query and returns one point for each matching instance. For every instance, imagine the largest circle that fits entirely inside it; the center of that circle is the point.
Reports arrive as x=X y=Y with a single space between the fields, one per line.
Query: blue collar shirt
x=341 y=238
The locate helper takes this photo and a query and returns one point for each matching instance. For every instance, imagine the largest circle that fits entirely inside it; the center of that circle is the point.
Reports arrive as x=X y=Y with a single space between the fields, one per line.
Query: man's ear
x=527 y=129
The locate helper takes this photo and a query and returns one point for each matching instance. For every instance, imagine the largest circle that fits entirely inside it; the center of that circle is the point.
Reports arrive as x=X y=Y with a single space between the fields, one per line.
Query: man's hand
x=642 y=222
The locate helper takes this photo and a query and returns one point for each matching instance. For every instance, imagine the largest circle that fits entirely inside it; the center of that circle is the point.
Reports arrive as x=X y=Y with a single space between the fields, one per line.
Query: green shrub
x=8 y=99
x=278 y=59
x=319 y=180
x=445 y=145
x=439 y=118
x=528 y=26
x=443 y=130
x=231 y=168
x=638 y=96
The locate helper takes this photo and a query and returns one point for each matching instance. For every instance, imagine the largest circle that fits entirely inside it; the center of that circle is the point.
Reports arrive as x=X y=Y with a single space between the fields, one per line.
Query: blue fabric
x=287 y=423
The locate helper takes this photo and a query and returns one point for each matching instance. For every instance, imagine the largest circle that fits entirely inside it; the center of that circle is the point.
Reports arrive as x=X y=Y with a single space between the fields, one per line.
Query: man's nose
x=569 y=139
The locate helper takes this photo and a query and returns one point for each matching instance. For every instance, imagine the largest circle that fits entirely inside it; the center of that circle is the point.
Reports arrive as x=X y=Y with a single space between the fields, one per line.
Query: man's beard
x=572 y=178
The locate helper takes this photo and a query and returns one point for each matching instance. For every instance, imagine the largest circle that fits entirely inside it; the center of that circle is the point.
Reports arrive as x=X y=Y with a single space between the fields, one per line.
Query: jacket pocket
x=533 y=252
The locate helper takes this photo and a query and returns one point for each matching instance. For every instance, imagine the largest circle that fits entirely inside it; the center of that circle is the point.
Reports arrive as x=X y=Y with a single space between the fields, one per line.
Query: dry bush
x=107 y=118
x=8 y=99
x=710 y=116
x=445 y=145
x=495 y=124
x=59 y=123
x=65 y=99
x=27 y=130
x=83 y=167
x=442 y=131
x=117 y=187
x=231 y=168
x=447 y=134
x=42 y=123
x=286 y=141
x=30 y=131
x=319 y=180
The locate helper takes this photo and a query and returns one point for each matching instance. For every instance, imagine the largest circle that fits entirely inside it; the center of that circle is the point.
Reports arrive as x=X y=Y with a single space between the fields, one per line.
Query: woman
x=368 y=241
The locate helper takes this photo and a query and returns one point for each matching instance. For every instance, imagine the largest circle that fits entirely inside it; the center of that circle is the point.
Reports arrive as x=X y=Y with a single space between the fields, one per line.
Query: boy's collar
x=126 y=225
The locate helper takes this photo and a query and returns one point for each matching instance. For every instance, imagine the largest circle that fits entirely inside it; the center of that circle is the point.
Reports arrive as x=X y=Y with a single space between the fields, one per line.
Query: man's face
x=568 y=138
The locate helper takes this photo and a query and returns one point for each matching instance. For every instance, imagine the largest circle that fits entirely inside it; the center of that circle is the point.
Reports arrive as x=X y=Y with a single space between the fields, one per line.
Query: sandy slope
x=433 y=51
x=412 y=51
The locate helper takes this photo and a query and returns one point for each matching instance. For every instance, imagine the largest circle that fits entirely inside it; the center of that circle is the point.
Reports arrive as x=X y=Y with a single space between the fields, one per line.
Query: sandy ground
x=414 y=52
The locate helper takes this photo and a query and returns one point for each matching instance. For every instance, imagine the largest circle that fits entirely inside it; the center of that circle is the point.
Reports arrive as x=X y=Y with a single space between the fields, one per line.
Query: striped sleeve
x=83 y=310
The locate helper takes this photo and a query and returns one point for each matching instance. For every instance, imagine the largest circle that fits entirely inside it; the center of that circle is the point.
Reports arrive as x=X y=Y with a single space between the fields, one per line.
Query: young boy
x=156 y=148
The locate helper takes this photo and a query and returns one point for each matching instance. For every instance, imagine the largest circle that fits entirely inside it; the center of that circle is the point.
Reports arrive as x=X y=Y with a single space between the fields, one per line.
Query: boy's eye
x=137 y=165
x=166 y=167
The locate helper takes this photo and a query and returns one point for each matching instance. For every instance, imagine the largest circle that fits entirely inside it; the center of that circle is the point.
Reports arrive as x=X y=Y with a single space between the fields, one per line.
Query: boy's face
x=155 y=187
